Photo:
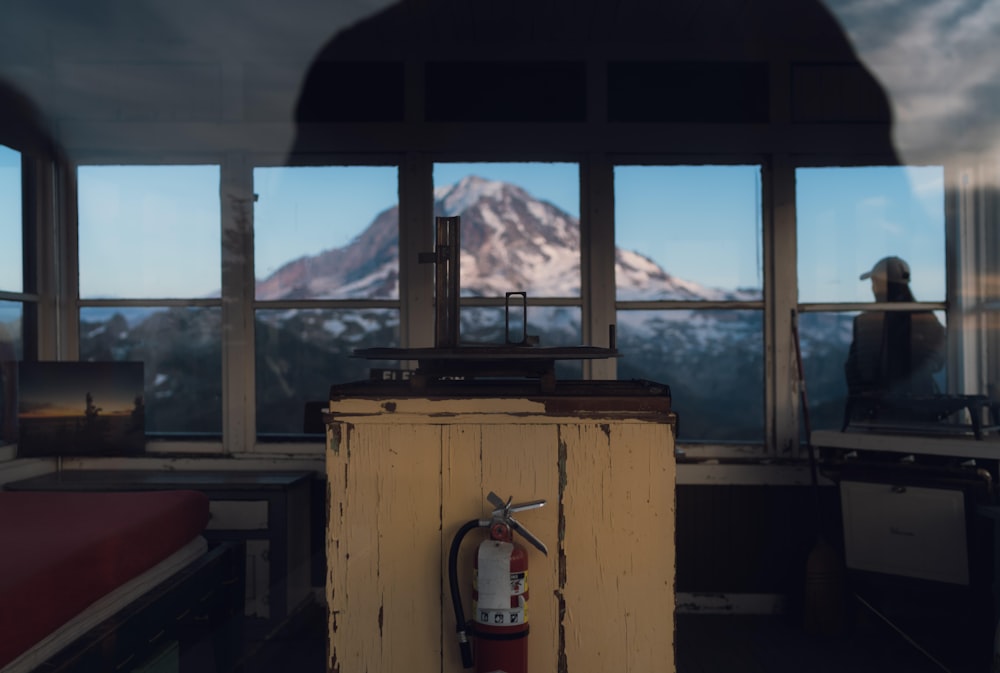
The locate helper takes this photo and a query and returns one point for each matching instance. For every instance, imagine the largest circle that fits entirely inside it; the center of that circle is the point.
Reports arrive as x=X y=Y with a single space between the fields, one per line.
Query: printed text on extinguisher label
x=501 y=617
x=512 y=616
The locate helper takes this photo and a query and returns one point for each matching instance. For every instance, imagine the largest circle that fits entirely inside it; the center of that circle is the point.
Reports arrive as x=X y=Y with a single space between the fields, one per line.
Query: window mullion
x=597 y=244
x=238 y=392
x=416 y=235
x=780 y=287
x=59 y=264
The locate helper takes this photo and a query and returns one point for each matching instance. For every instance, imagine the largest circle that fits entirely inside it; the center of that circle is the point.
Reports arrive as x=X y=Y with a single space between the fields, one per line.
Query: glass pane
x=850 y=218
x=149 y=232
x=11 y=350
x=553 y=325
x=11 y=270
x=826 y=339
x=713 y=361
x=326 y=232
x=520 y=226
x=300 y=353
x=182 y=352
x=688 y=233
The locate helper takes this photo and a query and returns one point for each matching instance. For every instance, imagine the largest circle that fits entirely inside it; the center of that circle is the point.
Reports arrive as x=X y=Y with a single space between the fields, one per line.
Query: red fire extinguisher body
x=500 y=604
x=499 y=627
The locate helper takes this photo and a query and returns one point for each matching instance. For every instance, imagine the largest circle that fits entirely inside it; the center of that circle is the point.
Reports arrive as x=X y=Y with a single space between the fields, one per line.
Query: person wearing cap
x=894 y=353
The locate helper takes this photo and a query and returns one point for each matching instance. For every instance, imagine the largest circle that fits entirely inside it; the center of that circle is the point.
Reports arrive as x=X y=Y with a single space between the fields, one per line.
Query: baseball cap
x=892 y=269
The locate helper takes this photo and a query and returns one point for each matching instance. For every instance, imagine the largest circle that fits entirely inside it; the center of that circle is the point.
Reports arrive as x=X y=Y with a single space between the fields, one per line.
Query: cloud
x=940 y=65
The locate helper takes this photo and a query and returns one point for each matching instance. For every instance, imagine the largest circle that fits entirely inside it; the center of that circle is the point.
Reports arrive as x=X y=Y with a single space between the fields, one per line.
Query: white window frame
x=69 y=290
x=971 y=209
x=243 y=412
x=708 y=449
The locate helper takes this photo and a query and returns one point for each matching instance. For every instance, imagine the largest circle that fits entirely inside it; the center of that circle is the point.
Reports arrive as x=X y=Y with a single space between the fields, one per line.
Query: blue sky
x=701 y=223
x=848 y=218
x=149 y=231
x=303 y=210
x=10 y=220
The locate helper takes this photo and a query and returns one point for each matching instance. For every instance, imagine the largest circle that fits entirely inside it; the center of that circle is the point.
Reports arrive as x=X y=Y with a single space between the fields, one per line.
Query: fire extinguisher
x=500 y=591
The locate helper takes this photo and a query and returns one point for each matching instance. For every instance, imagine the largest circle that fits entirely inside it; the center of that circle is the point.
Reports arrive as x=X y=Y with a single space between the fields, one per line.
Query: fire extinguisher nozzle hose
x=456 y=597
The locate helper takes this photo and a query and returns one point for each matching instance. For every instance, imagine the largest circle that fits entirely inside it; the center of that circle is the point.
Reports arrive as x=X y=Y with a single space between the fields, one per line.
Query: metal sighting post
x=516 y=358
x=446 y=256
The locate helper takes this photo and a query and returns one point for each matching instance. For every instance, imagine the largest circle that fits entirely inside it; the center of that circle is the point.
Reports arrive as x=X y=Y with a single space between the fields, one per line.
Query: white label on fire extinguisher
x=493 y=576
x=496 y=586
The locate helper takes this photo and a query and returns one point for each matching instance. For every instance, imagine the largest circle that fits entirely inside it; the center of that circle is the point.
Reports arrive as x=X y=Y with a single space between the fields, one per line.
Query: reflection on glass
x=11 y=350
x=713 y=361
x=850 y=217
x=520 y=226
x=149 y=232
x=825 y=339
x=182 y=351
x=300 y=353
x=11 y=273
x=894 y=352
x=326 y=232
x=11 y=340
x=688 y=233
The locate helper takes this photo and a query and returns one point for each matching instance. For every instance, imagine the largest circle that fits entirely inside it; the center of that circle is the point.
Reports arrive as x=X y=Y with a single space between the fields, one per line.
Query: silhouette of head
x=890 y=279
x=890 y=270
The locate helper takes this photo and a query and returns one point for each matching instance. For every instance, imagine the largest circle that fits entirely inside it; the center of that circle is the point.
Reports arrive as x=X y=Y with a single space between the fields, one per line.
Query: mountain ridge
x=510 y=241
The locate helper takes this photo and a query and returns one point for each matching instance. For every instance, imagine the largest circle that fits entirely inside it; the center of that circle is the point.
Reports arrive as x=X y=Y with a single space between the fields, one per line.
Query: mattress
x=105 y=607
x=64 y=551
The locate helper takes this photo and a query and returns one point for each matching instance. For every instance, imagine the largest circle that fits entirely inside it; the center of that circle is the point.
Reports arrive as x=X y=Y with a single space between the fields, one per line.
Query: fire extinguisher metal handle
x=505 y=508
x=502 y=514
x=524 y=506
x=526 y=534
x=499 y=503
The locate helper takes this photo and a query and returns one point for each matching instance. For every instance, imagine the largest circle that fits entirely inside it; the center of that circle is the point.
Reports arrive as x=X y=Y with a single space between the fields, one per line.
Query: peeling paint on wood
x=407 y=479
x=620 y=557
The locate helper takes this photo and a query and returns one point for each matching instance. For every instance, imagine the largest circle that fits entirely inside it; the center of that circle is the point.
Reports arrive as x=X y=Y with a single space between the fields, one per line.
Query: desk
x=953 y=447
x=268 y=511
x=992 y=512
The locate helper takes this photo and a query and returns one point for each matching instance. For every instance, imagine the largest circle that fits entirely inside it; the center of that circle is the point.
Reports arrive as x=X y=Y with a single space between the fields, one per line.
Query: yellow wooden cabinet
x=405 y=471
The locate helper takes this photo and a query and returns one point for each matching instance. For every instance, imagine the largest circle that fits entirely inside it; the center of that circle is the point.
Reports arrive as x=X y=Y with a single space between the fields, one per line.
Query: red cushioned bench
x=64 y=553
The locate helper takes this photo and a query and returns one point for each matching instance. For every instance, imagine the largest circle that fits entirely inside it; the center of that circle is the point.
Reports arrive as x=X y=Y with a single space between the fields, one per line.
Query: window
x=520 y=232
x=850 y=218
x=11 y=253
x=320 y=276
x=150 y=286
x=12 y=297
x=11 y=351
x=689 y=287
x=326 y=268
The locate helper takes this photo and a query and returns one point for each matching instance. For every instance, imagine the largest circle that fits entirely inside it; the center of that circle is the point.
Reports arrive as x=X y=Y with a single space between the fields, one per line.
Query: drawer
x=237 y=515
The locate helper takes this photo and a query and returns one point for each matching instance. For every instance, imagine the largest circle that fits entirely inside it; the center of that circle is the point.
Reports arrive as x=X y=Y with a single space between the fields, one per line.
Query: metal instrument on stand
x=451 y=359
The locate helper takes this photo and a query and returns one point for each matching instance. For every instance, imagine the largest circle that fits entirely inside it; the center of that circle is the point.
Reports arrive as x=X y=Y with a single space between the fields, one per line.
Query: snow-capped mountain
x=511 y=241
x=713 y=359
x=366 y=267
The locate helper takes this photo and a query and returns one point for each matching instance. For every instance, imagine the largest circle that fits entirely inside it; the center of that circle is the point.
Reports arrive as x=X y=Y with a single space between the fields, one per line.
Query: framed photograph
x=81 y=409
